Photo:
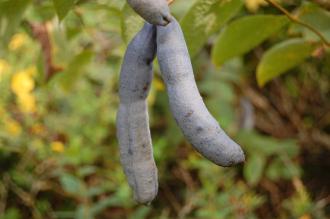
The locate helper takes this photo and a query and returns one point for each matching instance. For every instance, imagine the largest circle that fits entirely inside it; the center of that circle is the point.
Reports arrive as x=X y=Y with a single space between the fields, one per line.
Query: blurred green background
x=262 y=76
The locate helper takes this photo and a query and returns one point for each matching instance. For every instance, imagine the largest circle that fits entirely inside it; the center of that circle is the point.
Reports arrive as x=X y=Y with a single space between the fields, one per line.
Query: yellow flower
x=253 y=5
x=27 y=103
x=22 y=82
x=12 y=127
x=17 y=41
x=57 y=146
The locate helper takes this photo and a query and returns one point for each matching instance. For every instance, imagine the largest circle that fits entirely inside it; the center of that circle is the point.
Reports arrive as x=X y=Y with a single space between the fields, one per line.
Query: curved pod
x=153 y=11
x=186 y=103
x=136 y=153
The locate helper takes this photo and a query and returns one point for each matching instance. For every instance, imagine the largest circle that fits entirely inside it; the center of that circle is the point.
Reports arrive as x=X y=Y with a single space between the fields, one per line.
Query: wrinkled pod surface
x=136 y=153
x=187 y=106
x=153 y=11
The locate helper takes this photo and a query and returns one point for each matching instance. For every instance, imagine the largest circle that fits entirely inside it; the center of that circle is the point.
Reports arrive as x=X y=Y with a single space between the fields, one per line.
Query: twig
x=171 y=198
x=41 y=34
x=27 y=199
x=296 y=20
x=188 y=207
x=170 y=1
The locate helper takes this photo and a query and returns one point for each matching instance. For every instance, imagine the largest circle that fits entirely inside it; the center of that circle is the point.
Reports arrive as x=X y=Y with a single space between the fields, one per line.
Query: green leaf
x=279 y=168
x=62 y=7
x=244 y=34
x=316 y=17
x=253 y=168
x=115 y=4
x=281 y=58
x=71 y=184
x=205 y=18
x=83 y=211
x=140 y=213
x=131 y=23
x=11 y=213
x=273 y=171
x=103 y=204
x=291 y=170
x=11 y=13
x=75 y=68
x=266 y=145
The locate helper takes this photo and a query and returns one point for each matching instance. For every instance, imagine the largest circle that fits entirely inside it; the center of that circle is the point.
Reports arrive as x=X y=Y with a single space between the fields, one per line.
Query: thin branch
x=42 y=36
x=170 y=1
x=296 y=20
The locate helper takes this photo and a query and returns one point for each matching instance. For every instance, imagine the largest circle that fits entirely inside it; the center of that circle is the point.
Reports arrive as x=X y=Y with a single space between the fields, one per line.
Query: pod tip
x=236 y=158
x=166 y=19
x=144 y=198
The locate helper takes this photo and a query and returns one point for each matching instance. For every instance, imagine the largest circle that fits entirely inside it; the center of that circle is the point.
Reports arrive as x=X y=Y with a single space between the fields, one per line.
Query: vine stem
x=296 y=20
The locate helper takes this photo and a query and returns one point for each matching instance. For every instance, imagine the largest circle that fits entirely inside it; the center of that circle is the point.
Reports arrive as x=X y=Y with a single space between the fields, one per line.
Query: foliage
x=59 y=67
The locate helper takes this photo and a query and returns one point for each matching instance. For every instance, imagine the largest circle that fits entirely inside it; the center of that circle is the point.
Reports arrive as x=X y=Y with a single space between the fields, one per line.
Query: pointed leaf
x=62 y=7
x=11 y=13
x=244 y=34
x=254 y=141
x=205 y=18
x=253 y=169
x=71 y=184
x=281 y=58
